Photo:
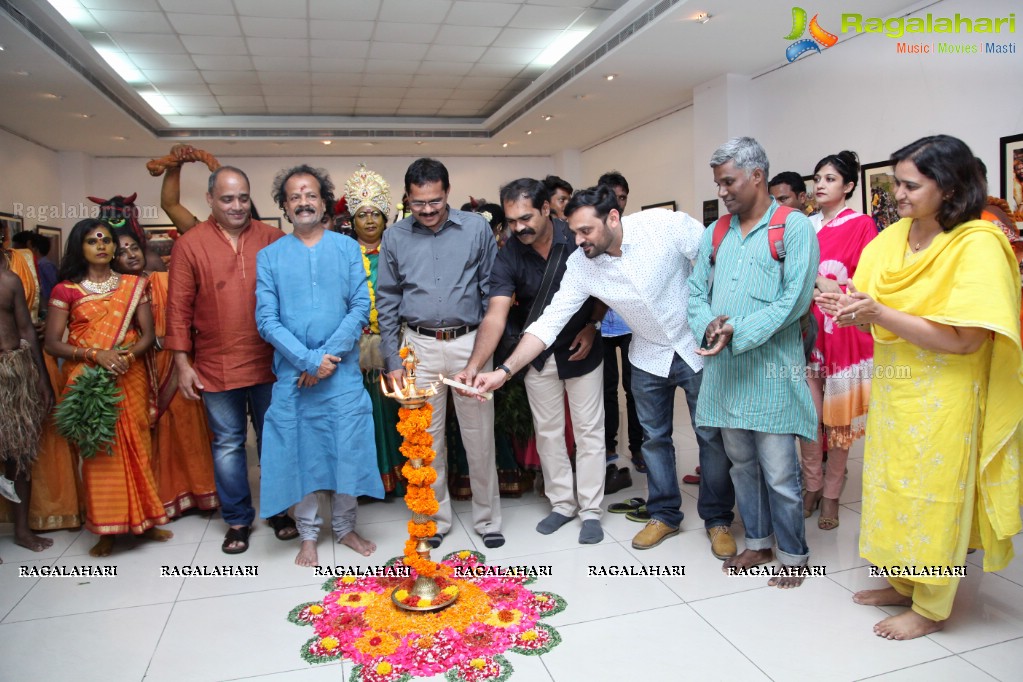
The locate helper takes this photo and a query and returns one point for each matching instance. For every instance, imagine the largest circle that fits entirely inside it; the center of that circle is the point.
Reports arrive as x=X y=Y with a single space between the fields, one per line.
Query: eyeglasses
x=363 y=215
x=432 y=203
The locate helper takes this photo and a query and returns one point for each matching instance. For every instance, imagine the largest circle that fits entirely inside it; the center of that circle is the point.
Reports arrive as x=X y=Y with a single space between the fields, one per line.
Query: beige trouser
x=476 y=422
x=546 y=393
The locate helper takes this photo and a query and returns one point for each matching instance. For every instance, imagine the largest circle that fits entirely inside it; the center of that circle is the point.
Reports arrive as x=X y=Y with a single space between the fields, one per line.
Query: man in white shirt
x=639 y=266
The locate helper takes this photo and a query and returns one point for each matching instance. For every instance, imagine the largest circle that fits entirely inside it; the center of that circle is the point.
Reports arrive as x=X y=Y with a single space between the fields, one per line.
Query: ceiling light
x=505 y=145
x=20 y=72
x=368 y=144
x=122 y=66
x=84 y=115
x=610 y=76
x=326 y=141
x=158 y=102
x=2 y=48
x=529 y=132
x=561 y=46
x=703 y=17
x=119 y=138
x=546 y=117
x=419 y=142
x=50 y=95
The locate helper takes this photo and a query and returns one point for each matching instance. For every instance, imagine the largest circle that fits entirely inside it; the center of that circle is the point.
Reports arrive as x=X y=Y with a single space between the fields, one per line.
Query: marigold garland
x=419 y=496
x=374 y=325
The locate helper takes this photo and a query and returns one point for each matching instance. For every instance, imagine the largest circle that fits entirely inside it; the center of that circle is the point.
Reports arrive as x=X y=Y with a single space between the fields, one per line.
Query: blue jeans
x=655 y=406
x=226 y=411
x=765 y=470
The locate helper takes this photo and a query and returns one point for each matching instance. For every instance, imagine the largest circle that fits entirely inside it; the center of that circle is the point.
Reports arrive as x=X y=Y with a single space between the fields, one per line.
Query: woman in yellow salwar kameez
x=110 y=325
x=939 y=291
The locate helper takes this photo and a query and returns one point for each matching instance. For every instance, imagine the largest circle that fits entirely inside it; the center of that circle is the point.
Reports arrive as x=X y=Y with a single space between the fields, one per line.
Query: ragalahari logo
x=818 y=36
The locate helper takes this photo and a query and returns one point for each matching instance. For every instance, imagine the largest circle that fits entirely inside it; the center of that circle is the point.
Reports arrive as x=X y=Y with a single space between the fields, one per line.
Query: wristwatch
x=595 y=324
x=505 y=368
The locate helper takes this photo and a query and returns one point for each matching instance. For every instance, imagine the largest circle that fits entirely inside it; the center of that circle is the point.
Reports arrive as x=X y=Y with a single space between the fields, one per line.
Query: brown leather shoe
x=654 y=533
x=722 y=544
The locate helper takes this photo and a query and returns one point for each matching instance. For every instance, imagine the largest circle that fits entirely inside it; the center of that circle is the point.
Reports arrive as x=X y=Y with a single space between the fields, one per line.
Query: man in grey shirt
x=432 y=292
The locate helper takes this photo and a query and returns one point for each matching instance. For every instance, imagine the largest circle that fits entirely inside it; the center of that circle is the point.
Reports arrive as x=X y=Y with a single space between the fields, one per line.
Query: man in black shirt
x=573 y=363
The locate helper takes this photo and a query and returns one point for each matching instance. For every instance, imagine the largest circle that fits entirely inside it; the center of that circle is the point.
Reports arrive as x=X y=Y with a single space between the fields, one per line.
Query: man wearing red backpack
x=753 y=279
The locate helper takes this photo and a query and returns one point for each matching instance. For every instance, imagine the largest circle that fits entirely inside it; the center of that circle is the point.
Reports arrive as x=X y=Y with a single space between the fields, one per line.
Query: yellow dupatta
x=967 y=277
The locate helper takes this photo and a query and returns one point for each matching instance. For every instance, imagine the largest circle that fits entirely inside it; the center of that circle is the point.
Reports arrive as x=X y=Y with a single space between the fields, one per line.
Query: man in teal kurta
x=753 y=386
x=311 y=305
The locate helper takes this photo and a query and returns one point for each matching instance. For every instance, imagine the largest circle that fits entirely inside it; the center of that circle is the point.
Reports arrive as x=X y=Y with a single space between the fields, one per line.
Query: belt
x=445 y=334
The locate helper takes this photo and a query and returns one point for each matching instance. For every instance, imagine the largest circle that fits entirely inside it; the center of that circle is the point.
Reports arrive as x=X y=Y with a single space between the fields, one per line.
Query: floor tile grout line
x=907 y=667
x=88 y=613
x=971 y=663
x=730 y=642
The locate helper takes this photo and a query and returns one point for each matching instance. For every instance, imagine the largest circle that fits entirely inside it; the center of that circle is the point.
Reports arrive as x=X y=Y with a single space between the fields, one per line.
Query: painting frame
x=670 y=205
x=55 y=235
x=877 y=193
x=159 y=239
x=1010 y=154
x=10 y=225
x=810 y=187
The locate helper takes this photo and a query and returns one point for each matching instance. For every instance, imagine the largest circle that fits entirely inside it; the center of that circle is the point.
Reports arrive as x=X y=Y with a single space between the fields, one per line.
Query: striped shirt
x=758 y=381
x=646 y=286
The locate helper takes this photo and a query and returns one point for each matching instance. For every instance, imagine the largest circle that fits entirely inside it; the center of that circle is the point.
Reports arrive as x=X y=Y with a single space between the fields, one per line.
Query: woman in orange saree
x=182 y=460
x=109 y=325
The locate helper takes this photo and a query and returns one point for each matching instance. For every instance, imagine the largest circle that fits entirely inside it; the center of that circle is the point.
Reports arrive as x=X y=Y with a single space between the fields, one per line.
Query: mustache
x=304 y=209
x=525 y=232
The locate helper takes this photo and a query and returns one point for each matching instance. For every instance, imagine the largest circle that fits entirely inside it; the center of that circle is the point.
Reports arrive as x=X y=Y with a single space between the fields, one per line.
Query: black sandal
x=493 y=540
x=236 y=535
x=284 y=526
x=631 y=504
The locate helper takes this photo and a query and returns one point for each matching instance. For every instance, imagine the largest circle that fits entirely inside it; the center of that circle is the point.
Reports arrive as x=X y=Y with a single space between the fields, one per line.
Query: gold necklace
x=104 y=287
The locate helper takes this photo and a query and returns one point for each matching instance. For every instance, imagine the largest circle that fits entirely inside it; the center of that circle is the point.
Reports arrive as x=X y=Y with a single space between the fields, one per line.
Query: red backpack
x=776 y=240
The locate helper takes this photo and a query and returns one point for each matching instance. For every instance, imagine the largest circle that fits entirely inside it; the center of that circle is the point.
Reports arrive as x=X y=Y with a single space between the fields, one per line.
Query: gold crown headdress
x=367 y=187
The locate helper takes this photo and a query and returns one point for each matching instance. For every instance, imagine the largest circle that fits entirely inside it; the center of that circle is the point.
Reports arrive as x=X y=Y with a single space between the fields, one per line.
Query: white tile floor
x=703 y=626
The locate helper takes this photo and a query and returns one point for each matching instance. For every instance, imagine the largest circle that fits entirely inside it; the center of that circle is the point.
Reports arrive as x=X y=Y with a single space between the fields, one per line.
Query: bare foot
x=908 y=625
x=158 y=535
x=307 y=555
x=30 y=540
x=358 y=543
x=103 y=547
x=786 y=582
x=886 y=596
x=748 y=557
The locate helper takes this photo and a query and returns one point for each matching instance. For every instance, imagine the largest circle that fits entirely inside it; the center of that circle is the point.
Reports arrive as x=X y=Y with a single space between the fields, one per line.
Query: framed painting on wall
x=670 y=205
x=53 y=235
x=810 y=187
x=1011 y=157
x=10 y=225
x=877 y=191
x=161 y=239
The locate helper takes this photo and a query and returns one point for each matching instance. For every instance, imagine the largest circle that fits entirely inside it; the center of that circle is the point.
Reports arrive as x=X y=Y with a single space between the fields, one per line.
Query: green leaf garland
x=88 y=413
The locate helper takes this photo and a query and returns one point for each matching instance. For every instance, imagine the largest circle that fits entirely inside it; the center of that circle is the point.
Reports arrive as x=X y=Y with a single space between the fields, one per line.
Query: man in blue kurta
x=753 y=384
x=311 y=305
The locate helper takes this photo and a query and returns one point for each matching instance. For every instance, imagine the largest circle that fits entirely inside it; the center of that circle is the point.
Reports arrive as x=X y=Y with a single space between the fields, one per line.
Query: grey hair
x=745 y=152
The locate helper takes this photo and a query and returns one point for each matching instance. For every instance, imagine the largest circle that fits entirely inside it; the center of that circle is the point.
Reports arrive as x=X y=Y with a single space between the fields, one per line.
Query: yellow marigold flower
x=505 y=618
x=425 y=601
x=529 y=635
x=403 y=352
x=384 y=668
x=349 y=579
x=450 y=590
x=316 y=609
x=478 y=663
x=464 y=554
x=329 y=643
x=401 y=595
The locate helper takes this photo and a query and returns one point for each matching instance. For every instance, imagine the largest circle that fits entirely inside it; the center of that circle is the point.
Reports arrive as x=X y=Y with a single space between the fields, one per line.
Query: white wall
x=864 y=96
x=30 y=178
x=475 y=176
x=654 y=158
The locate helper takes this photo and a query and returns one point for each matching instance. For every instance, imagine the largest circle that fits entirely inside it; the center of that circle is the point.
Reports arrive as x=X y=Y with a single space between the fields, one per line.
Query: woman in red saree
x=109 y=324
x=182 y=460
x=842 y=359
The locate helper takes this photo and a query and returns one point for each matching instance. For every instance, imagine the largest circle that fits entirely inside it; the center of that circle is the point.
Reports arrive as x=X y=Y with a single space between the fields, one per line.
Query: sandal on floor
x=640 y=515
x=284 y=527
x=828 y=522
x=631 y=504
x=493 y=540
x=236 y=535
x=435 y=540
